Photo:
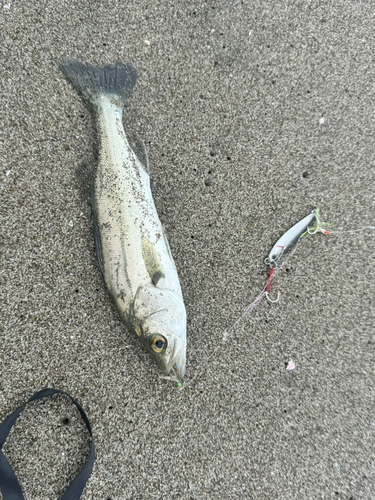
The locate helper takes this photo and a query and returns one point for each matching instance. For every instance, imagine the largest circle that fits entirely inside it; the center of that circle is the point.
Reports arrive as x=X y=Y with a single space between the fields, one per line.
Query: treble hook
x=319 y=225
x=270 y=300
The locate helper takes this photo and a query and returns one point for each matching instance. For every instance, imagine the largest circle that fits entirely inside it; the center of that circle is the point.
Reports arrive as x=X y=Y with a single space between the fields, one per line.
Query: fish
x=131 y=245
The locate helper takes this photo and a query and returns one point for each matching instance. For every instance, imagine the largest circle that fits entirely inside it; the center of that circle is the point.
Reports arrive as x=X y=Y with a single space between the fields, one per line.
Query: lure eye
x=158 y=343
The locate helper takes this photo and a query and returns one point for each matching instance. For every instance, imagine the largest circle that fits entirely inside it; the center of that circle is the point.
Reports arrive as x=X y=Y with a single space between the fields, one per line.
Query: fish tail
x=91 y=82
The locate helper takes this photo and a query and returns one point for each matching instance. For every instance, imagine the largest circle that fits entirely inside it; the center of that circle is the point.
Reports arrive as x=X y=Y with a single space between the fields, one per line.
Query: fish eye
x=158 y=343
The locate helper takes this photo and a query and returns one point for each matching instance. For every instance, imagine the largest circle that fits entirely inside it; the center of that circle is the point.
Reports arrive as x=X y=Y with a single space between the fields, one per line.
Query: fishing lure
x=289 y=239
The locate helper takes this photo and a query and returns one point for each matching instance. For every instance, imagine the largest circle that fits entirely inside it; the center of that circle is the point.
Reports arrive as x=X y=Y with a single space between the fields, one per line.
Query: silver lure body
x=290 y=238
x=132 y=249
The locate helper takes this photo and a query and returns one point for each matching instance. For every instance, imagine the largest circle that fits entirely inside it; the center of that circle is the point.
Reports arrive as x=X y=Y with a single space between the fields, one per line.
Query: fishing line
x=352 y=230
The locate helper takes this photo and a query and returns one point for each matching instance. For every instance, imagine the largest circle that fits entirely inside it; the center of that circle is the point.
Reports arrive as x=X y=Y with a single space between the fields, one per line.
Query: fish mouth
x=176 y=365
x=179 y=365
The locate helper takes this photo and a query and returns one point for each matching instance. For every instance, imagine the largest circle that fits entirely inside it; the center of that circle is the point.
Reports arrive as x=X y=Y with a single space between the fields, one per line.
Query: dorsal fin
x=140 y=151
x=151 y=261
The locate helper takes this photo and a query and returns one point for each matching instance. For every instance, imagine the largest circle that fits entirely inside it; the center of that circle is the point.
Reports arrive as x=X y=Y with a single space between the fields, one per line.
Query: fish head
x=163 y=332
x=169 y=349
x=159 y=320
x=165 y=339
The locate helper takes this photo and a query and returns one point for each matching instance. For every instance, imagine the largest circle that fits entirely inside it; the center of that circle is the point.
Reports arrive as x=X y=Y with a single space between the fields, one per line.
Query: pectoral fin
x=151 y=261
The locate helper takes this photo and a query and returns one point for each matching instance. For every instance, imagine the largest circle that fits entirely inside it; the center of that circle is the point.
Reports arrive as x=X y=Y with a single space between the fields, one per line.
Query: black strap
x=9 y=485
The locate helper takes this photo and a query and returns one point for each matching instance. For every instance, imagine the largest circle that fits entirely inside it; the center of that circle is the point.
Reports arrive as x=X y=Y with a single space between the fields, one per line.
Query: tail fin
x=91 y=81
